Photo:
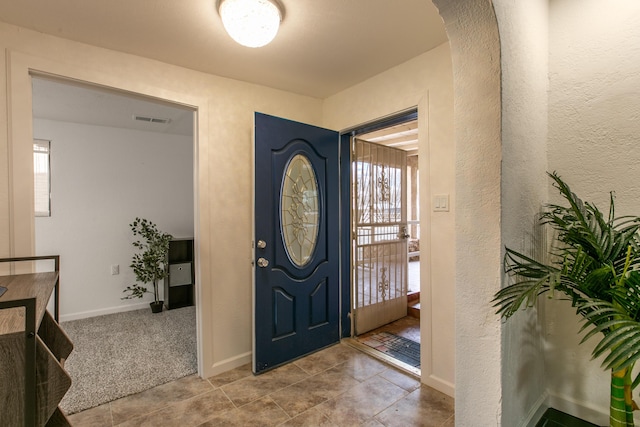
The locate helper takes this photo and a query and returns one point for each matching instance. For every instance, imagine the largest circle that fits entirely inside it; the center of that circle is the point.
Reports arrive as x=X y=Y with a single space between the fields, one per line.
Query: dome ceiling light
x=251 y=23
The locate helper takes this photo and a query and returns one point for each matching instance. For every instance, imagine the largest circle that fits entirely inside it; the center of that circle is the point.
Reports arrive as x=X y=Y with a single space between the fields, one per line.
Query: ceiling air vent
x=151 y=119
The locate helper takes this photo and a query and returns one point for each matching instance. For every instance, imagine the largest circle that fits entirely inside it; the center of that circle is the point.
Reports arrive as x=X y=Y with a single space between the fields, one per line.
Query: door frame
x=346 y=294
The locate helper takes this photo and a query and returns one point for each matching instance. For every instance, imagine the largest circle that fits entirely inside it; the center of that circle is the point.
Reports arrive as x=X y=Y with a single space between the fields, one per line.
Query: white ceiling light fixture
x=252 y=23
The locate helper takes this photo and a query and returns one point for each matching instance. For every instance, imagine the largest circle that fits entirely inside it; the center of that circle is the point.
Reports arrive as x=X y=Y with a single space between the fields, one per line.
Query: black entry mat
x=398 y=347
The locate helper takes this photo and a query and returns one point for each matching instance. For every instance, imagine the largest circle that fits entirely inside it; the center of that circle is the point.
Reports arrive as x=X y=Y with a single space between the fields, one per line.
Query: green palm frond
x=534 y=277
x=621 y=333
x=582 y=226
x=627 y=296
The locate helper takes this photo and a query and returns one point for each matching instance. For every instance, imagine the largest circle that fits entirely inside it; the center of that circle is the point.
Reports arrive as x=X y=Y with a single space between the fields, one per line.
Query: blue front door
x=297 y=241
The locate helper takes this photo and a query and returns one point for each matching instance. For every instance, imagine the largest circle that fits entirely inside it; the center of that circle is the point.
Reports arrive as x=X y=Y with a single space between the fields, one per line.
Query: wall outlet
x=115 y=269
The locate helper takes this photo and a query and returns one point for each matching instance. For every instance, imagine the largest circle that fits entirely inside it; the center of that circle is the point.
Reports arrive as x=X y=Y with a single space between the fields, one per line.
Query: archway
x=475 y=49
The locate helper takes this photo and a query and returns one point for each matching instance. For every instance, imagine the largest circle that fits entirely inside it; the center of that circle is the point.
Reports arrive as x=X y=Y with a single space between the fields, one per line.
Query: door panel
x=296 y=289
x=380 y=240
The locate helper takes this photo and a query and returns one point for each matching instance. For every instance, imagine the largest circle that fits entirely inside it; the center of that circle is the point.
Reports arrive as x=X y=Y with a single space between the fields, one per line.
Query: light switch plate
x=441 y=203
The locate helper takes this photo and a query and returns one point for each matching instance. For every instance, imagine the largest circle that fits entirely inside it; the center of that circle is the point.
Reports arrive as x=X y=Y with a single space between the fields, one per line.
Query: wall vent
x=158 y=120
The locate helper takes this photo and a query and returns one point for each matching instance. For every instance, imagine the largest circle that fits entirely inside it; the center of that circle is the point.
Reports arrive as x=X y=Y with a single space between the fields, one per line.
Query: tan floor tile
x=157 y=398
x=99 y=416
x=261 y=413
x=373 y=423
x=251 y=388
x=362 y=402
x=325 y=359
x=408 y=327
x=310 y=418
x=186 y=413
x=338 y=386
x=231 y=376
x=312 y=391
x=401 y=379
x=424 y=407
x=361 y=366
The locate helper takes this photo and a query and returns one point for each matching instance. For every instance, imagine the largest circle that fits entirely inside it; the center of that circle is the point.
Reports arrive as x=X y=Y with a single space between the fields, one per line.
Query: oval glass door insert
x=299 y=210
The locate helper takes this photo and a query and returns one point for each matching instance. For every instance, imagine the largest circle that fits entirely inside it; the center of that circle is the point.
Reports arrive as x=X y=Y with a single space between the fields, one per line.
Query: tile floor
x=408 y=327
x=338 y=386
x=396 y=347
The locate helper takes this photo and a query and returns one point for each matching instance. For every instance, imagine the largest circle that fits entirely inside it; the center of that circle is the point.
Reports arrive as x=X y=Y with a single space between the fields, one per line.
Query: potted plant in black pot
x=148 y=264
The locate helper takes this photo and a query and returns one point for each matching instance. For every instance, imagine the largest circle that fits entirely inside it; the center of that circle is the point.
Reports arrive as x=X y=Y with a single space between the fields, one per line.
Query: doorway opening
x=106 y=168
x=385 y=242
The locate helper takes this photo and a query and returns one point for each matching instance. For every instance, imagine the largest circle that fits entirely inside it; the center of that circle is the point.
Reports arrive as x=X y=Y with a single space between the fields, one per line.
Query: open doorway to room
x=112 y=157
x=386 y=240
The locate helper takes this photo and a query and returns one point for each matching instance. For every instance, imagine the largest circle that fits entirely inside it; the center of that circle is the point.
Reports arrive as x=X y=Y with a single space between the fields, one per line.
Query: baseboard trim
x=227 y=364
x=104 y=311
x=537 y=411
x=587 y=412
x=439 y=384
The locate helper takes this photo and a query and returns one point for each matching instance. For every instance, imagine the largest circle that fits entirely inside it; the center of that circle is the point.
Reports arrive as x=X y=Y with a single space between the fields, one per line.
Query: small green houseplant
x=595 y=263
x=149 y=264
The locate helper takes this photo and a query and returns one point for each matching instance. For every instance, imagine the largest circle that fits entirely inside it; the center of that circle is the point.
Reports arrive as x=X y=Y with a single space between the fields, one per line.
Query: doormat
x=400 y=348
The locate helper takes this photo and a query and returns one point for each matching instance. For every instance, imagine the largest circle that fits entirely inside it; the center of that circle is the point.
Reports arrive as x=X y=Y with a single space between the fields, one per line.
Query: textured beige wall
x=425 y=82
x=594 y=123
x=475 y=54
x=225 y=115
x=524 y=59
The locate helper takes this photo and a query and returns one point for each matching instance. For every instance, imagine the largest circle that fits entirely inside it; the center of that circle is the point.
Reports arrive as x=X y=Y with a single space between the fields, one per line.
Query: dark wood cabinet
x=33 y=349
x=180 y=281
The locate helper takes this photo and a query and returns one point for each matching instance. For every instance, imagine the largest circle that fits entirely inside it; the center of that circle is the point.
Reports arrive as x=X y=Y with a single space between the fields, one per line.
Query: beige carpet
x=124 y=353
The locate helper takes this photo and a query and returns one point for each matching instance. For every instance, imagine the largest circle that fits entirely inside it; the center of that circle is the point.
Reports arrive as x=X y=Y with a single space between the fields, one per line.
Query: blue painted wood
x=296 y=308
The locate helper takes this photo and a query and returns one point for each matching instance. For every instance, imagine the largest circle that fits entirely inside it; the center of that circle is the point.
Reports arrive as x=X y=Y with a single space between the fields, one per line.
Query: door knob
x=262 y=262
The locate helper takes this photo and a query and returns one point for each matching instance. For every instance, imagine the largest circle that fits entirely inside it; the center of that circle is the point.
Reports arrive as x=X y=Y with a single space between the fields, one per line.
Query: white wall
x=425 y=82
x=594 y=123
x=102 y=178
x=524 y=59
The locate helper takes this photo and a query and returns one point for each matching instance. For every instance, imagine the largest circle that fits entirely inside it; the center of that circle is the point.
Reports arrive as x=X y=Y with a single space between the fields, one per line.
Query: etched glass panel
x=299 y=210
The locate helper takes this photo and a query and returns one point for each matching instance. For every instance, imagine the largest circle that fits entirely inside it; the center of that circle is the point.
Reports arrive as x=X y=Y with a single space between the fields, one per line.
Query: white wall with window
x=101 y=179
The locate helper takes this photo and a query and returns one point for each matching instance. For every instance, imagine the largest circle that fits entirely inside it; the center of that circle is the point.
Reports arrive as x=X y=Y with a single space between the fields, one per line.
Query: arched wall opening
x=472 y=28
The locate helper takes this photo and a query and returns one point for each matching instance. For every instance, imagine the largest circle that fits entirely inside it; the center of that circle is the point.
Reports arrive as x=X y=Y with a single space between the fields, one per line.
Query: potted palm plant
x=595 y=263
x=149 y=264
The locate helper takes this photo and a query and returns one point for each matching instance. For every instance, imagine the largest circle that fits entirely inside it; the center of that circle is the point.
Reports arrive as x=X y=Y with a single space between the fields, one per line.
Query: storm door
x=380 y=235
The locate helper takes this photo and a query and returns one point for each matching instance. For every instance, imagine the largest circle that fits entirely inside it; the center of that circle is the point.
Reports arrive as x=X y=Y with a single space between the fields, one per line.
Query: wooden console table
x=33 y=349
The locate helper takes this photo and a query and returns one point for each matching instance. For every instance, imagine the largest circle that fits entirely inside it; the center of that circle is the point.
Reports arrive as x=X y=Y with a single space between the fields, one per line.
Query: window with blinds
x=42 y=177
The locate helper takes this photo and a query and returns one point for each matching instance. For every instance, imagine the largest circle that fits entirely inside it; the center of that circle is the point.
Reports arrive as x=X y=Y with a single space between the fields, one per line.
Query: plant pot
x=156 y=307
